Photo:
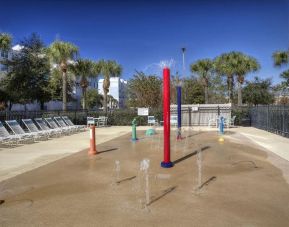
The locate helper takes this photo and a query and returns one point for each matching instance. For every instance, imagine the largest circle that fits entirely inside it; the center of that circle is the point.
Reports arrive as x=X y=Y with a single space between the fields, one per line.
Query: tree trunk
x=84 y=98
x=239 y=94
x=206 y=95
x=105 y=86
x=10 y=105
x=105 y=101
x=64 y=90
x=41 y=105
x=230 y=88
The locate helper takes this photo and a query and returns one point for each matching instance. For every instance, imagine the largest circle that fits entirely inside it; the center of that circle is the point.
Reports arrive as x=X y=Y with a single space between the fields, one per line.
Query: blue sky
x=140 y=33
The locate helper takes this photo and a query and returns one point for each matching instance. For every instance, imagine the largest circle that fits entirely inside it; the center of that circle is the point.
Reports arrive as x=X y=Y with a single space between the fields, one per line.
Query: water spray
x=221 y=130
x=144 y=166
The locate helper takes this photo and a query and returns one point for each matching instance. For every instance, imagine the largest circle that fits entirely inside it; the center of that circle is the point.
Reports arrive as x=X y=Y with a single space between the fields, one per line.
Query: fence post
x=199 y=113
x=267 y=125
x=190 y=116
x=283 y=120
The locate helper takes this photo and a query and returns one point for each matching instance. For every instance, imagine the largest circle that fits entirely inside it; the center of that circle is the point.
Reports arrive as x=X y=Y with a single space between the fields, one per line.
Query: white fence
x=201 y=113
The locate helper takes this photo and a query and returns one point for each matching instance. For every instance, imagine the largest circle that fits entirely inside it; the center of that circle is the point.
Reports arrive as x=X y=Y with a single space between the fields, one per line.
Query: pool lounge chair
x=44 y=127
x=52 y=124
x=17 y=130
x=62 y=124
x=7 y=138
x=29 y=124
x=70 y=123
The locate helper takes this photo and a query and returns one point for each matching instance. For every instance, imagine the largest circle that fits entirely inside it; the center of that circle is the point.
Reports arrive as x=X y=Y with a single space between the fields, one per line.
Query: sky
x=140 y=34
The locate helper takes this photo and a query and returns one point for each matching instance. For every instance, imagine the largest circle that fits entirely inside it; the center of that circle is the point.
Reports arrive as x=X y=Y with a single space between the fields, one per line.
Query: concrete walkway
x=271 y=142
x=17 y=160
x=14 y=161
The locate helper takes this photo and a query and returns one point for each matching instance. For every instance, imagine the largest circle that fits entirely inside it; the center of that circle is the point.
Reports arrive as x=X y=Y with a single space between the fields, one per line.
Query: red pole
x=92 y=150
x=166 y=117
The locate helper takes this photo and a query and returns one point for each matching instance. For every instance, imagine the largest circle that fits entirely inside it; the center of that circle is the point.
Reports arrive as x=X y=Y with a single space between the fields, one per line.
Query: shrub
x=240 y=114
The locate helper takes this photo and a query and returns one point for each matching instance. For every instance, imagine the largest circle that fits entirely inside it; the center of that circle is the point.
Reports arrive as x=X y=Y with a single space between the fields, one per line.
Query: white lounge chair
x=7 y=138
x=44 y=127
x=33 y=128
x=70 y=123
x=63 y=125
x=17 y=130
x=52 y=124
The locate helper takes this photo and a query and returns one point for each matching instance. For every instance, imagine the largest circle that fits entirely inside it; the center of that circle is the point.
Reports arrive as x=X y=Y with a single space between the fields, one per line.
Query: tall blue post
x=221 y=126
x=179 y=102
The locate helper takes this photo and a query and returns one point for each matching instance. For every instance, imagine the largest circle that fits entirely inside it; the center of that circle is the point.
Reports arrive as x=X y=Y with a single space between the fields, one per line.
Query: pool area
x=212 y=183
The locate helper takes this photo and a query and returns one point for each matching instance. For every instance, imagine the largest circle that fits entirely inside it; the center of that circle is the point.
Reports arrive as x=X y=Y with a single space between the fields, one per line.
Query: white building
x=3 y=69
x=77 y=91
x=117 y=89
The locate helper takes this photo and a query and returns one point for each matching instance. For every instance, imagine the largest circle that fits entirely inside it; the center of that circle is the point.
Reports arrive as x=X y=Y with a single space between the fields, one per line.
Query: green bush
x=240 y=114
x=125 y=117
x=115 y=117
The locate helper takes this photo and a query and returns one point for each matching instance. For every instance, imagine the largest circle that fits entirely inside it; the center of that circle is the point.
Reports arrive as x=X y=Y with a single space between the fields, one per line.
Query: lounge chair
x=17 y=130
x=44 y=127
x=52 y=124
x=62 y=124
x=70 y=123
x=33 y=128
x=7 y=138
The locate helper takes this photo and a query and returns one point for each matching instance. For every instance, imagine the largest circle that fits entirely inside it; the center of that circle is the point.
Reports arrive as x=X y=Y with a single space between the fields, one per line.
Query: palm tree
x=281 y=58
x=244 y=65
x=285 y=76
x=84 y=68
x=61 y=54
x=226 y=65
x=108 y=69
x=5 y=42
x=204 y=68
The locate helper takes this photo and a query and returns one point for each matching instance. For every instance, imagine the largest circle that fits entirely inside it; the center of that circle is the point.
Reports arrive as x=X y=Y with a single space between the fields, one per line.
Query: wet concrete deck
x=241 y=187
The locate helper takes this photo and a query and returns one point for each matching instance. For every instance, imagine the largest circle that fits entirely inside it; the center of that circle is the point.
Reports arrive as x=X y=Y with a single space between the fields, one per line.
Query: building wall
x=3 y=69
x=117 y=89
x=77 y=92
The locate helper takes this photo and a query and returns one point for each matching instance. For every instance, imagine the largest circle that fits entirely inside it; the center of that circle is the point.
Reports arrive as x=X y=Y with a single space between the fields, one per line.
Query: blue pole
x=221 y=126
x=179 y=102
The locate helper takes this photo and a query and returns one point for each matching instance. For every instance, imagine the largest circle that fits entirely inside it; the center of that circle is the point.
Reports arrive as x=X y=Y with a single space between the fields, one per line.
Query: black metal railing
x=77 y=116
x=272 y=118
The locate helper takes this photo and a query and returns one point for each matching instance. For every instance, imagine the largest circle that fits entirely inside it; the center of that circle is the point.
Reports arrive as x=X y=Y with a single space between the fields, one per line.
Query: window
x=4 y=54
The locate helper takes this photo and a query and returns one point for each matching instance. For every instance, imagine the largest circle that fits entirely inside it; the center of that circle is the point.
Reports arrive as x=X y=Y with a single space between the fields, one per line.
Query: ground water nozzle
x=133 y=133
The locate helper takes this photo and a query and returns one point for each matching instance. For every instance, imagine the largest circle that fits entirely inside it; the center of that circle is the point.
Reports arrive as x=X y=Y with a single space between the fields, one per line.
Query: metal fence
x=272 y=118
x=77 y=116
x=191 y=114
